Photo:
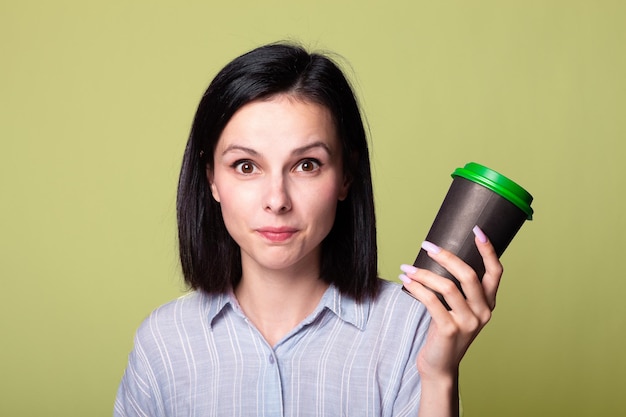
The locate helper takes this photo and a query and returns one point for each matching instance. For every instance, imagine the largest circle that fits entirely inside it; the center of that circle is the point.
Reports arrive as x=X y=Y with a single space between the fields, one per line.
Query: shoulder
x=185 y=314
x=396 y=310
x=391 y=293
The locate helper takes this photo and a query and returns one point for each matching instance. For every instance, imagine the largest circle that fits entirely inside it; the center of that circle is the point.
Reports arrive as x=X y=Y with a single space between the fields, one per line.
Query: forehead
x=279 y=121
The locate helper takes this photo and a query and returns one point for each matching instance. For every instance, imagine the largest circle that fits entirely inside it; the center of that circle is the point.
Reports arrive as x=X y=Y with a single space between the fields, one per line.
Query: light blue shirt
x=200 y=356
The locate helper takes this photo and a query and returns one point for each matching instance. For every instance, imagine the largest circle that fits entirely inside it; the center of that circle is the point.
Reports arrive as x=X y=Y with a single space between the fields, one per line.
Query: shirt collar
x=343 y=306
x=215 y=303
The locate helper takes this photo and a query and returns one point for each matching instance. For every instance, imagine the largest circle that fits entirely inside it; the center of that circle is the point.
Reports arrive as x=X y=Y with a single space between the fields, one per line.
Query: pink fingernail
x=404 y=278
x=482 y=238
x=409 y=269
x=430 y=247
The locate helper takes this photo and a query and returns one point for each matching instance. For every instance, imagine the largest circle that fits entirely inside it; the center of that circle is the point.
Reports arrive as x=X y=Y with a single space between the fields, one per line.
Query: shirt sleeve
x=409 y=396
x=410 y=392
x=137 y=394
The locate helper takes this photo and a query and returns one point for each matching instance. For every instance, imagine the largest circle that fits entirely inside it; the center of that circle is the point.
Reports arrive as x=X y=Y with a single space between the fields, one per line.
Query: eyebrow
x=306 y=148
x=239 y=148
x=297 y=151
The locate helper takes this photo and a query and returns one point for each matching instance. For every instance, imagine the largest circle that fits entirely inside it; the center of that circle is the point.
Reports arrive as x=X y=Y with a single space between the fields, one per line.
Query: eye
x=308 y=165
x=244 y=167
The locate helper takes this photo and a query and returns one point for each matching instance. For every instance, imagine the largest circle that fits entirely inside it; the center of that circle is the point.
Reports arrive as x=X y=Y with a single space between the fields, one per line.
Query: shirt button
x=271 y=359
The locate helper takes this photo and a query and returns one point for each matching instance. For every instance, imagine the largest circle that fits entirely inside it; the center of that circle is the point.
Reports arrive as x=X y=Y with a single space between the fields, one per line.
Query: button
x=271 y=359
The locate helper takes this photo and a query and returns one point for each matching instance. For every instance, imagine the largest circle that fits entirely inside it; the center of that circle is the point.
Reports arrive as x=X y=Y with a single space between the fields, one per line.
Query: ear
x=345 y=187
x=347 y=175
x=210 y=179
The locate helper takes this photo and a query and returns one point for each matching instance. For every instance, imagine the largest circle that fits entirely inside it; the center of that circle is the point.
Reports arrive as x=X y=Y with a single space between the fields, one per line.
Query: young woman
x=277 y=239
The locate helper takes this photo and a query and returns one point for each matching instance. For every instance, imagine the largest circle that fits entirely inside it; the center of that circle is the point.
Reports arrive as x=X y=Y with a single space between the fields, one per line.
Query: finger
x=425 y=295
x=470 y=284
x=461 y=319
x=493 y=266
x=443 y=286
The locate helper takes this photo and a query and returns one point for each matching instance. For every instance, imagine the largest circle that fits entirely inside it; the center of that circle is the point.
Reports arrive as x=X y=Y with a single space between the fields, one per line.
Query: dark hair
x=211 y=260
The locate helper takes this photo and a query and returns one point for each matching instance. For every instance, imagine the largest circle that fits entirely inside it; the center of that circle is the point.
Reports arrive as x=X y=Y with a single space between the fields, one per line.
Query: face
x=278 y=176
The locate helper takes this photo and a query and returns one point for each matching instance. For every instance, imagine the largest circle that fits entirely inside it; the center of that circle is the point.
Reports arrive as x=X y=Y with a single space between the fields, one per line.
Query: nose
x=277 y=199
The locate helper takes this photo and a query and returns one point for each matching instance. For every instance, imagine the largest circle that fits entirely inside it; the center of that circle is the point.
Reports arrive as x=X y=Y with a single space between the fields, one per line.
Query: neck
x=277 y=302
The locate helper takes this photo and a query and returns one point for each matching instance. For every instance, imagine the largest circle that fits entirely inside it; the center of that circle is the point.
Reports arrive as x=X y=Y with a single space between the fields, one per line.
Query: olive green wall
x=96 y=99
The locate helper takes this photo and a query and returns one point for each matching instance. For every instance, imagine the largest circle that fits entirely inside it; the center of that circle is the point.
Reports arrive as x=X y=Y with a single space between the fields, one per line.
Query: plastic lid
x=497 y=183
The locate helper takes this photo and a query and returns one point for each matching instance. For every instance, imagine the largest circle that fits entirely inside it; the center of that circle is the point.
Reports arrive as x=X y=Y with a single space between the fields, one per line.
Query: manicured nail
x=409 y=269
x=430 y=247
x=404 y=278
x=482 y=238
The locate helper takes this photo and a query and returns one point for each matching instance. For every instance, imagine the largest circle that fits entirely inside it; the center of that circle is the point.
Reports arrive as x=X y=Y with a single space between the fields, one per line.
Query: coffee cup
x=478 y=196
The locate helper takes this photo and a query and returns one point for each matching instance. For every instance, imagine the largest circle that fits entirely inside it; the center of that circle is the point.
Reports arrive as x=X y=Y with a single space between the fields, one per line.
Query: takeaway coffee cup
x=477 y=196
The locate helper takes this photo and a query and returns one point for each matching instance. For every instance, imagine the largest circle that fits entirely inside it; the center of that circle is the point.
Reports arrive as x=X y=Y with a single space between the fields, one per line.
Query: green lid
x=497 y=183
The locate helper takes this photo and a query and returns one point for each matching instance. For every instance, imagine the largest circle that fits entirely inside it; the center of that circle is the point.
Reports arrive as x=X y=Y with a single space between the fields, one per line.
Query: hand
x=451 y=332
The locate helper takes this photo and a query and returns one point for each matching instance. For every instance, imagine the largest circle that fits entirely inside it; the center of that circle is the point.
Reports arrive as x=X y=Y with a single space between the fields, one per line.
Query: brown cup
x=478 y=196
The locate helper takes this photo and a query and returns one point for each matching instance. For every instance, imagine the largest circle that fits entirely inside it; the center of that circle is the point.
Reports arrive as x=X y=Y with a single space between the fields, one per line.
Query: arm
x=451 y=332
x=136 y=395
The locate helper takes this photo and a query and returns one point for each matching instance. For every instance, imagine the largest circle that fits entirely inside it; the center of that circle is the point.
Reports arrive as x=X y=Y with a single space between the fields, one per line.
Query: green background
x=96 y=100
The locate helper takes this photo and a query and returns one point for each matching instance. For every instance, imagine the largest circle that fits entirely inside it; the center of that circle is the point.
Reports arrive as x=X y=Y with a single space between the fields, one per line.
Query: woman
x=277 y=238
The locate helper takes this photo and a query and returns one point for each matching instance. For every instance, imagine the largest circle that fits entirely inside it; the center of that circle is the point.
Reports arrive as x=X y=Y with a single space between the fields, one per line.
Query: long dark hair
x=211 y=260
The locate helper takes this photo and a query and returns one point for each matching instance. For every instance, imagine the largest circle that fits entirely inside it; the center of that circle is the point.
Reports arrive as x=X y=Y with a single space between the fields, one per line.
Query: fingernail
x=482 y=238
x=430 y=247
x=409 y=269
x=404 y=278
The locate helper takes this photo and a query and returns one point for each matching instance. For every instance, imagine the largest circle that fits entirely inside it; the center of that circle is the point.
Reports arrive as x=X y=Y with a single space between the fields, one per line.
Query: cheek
x=335 y=193
x=231 y=203
x=324 y=203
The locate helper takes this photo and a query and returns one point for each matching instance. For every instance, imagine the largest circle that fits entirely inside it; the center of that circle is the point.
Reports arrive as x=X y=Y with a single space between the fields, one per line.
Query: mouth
x=277 y=234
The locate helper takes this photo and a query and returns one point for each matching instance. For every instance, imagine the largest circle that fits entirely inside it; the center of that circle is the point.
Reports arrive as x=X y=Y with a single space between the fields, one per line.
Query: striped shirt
x=200 y=356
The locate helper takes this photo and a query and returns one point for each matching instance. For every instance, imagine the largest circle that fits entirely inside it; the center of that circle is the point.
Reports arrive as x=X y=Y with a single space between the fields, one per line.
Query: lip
x=277 y=234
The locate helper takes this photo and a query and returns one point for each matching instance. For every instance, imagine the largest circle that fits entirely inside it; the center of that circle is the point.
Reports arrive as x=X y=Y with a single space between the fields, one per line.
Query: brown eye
x=308 y=165
x=244 y=167
x=247 y=168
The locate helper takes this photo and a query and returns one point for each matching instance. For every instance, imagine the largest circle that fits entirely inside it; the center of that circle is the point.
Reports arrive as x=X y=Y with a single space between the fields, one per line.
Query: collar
x=344 y=307
x=216 y=303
